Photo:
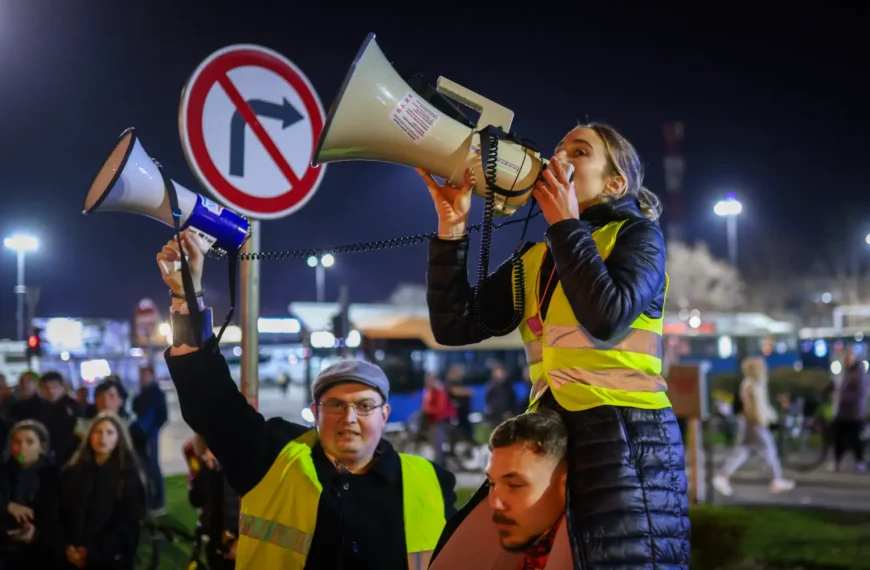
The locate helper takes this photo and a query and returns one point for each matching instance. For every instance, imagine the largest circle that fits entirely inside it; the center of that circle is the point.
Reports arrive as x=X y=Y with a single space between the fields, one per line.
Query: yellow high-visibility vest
x=278 y=517
x=585 y=372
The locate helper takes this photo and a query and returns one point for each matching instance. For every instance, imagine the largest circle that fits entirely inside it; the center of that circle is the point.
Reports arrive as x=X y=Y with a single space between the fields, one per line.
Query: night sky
x=775 y=110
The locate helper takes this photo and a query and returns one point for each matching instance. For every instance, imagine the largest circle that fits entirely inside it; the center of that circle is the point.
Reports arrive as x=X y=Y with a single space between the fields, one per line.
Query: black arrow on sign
x=285 y=112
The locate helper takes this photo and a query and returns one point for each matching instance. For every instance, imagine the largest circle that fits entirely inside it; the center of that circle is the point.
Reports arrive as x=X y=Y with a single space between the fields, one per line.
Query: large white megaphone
x=378 y=116
x=130 y=181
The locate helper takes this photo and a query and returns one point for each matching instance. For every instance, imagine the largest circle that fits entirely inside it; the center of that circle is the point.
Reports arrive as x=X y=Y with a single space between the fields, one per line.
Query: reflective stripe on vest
x=276 y=533
x=583 y=371
x=278 y=517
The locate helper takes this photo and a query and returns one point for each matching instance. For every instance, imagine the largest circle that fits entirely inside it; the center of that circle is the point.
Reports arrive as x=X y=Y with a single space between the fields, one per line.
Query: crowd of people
x=76 y=480
x=78 y=477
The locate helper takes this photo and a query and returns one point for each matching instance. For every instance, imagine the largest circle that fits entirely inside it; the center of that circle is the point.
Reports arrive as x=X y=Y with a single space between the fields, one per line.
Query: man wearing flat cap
x=334 y=496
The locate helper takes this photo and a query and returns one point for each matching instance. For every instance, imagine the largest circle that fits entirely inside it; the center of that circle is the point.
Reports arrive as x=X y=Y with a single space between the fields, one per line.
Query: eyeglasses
x=339 y=407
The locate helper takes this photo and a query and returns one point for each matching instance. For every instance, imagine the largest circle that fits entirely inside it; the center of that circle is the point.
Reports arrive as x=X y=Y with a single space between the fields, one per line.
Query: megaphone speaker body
x=377 y=116
x=130 y=181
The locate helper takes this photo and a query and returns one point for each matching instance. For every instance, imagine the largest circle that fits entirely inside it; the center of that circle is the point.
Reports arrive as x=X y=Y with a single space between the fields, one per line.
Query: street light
x=867 y=239
x=730 y=208
x=21 y=244
x=320 y=266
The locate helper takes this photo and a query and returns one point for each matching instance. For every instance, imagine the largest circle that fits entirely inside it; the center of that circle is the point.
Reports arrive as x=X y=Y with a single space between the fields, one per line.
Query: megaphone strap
x=196 y=317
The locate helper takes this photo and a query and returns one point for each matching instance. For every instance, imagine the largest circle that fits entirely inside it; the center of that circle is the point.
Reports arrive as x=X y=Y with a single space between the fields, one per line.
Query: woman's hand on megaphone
x=555 y=194
x=194 y=249
x=452 y=203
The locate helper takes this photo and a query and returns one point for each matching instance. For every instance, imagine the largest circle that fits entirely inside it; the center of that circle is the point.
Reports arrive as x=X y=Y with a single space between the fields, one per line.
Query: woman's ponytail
x=650 y=205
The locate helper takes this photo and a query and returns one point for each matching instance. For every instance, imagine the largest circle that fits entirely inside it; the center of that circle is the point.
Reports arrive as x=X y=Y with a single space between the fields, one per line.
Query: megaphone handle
x=186 y=279
x=196 y=315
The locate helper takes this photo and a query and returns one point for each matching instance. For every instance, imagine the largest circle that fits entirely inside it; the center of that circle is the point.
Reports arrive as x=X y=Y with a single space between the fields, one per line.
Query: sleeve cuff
x=439 y=247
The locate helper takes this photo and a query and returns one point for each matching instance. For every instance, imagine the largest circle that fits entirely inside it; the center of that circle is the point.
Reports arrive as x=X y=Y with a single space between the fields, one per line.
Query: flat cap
x=351 y=370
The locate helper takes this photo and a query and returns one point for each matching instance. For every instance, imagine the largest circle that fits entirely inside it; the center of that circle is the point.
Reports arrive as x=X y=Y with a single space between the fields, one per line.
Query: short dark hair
x=542 y=429
x=107 y=384
x=52 y=376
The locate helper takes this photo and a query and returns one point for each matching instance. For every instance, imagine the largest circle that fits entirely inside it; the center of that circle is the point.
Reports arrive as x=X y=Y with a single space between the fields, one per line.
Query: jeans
x=151 y=466
x=752 y=437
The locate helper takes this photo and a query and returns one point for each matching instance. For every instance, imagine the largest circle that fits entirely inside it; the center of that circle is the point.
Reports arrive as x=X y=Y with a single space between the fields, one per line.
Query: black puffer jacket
x=627 y=503
x=606 y=296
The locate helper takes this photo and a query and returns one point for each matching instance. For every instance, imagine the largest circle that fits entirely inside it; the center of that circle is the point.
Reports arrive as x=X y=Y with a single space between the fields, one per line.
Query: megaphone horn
x=377 y=116
x=130 y=181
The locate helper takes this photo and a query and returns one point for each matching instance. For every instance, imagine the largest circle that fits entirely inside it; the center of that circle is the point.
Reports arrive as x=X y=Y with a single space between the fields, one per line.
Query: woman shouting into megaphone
x=592 y=329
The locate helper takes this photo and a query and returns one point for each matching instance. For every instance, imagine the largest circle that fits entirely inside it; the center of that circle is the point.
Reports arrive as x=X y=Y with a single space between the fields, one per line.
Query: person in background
x=60 y=415
x=460 y=397
x=753 y=432
x=526 y=389
x=109 y=396
x=524 y=506
x=439 y=412
x=82 y=399
x=102 y=499
x=27 y=405
x=28 y=500
x=149 y=405
x=7 y=396
x=283 y=383
x=218 y=505
x=850 y=413
x=501 y=400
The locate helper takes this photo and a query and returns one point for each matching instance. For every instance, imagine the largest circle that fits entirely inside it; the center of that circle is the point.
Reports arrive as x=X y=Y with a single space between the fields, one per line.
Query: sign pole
x=688 y=392
x=250 y=294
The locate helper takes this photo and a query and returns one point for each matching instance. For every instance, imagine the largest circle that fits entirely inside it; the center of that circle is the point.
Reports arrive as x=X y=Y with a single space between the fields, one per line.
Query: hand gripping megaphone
x=378 y=116
x=130 y=181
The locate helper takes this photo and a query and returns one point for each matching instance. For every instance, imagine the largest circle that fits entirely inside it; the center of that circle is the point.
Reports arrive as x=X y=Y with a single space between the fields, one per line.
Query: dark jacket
x=218 y=505
x=101 y=509
x=151 y=411
x=627 y=500
x=360 y=520
x=35 y=487
x=606 y=296
x=852 y=394
x=60 y=418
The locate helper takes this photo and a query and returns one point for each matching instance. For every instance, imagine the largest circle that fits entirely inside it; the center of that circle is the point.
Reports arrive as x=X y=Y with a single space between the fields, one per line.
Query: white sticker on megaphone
x=204 y=240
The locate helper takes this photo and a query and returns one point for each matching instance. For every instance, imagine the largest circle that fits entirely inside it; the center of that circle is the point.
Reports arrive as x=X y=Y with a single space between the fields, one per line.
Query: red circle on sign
x=214 y=71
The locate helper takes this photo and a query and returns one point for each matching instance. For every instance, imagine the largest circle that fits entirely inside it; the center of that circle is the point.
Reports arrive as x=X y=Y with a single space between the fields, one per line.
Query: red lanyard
x=534 y=322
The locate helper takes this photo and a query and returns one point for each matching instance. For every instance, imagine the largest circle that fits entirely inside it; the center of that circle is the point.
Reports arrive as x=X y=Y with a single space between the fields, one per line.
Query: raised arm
x=607 y=296
x=239 y=437
x=213 y=407
x=450 y=297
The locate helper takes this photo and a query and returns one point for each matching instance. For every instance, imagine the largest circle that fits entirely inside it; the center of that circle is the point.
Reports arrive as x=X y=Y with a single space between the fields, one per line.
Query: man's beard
x=522 y=546
x=497 y=518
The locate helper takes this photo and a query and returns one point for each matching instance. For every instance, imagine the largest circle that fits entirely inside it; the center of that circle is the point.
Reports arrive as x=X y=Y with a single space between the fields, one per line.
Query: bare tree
x=700 y=281
x=408 y=294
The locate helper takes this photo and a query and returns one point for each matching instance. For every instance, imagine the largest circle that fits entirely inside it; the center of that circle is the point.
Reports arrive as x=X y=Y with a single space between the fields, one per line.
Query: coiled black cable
x=486 y=228
x=517 y=269
x=351 y=248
